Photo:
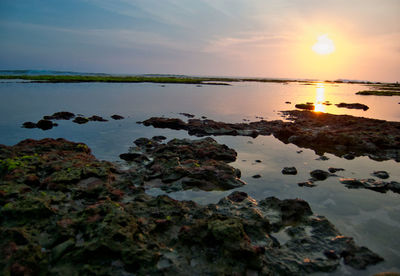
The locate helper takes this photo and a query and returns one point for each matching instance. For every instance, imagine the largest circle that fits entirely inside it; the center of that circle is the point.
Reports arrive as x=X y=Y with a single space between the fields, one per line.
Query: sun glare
x=320 y=98
x=324 y=45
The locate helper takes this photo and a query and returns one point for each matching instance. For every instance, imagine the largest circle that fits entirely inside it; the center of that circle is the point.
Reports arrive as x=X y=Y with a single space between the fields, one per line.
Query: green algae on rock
x=99 y=223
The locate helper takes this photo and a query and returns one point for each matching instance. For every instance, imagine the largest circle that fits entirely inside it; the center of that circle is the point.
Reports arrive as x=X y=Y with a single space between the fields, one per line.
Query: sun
x=324 y=45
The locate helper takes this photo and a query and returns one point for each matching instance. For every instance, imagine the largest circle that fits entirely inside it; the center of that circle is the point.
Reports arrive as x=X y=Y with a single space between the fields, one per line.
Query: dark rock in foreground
x=342 y=135
x=184 y=164
x=65 y=213
x=353 y=106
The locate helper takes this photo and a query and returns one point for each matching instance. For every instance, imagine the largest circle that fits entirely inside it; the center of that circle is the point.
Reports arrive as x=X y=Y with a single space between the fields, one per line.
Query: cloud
x=245 y=45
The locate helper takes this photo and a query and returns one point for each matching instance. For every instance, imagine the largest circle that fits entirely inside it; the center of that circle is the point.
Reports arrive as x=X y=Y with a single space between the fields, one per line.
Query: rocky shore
x=342 y=135
x=63 y=212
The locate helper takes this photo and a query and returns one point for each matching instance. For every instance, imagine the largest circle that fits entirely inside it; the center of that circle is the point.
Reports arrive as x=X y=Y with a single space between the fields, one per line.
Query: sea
x=371 y=218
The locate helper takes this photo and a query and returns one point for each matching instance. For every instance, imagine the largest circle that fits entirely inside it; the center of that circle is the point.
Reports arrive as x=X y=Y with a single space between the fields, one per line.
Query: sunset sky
x=254 y=38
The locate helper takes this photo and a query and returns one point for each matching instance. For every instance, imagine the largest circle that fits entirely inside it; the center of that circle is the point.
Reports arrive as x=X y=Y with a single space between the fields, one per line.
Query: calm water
x=373 y=219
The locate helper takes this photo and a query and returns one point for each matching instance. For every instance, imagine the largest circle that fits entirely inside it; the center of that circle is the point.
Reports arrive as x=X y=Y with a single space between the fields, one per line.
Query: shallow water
x=372 y=218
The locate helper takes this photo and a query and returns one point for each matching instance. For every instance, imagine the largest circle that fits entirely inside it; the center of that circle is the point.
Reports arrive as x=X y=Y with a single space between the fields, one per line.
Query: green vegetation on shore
x=80 y=78
x=137 y=79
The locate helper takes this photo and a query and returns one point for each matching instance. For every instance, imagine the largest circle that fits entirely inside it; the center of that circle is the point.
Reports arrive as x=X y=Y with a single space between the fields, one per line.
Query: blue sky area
x=203 y=37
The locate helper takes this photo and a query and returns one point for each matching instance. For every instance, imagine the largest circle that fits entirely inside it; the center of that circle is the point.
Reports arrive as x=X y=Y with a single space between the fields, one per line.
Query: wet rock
x=381 y=174
x=333 y=170
x=88 y=218
x=258 y=161
x=371 y=184
x=289 y=170
x=353 y=106
x=80 y=120
x=96 y=118
x=45 y=124
x=62 y=115
x=306 y=106
x=319 y=175
x=117 y=117
x=159 y=122
x=131 y=156
x=29 y=125
x=360 y=257
x=186 y=164
x=322 y=132
x=256 y=176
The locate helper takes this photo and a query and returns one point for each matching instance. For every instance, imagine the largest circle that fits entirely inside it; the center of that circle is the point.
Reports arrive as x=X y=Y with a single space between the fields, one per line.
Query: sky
x=249 y=38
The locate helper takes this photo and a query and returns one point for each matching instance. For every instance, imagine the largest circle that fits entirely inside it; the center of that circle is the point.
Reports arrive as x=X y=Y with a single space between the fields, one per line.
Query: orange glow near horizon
x=323 y=53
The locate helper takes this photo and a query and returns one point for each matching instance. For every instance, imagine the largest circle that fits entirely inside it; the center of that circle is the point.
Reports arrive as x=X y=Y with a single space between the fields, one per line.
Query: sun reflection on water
x=320 y=98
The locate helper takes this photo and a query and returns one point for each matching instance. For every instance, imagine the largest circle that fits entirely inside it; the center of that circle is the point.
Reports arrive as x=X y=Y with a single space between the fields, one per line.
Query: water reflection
x=320 y=98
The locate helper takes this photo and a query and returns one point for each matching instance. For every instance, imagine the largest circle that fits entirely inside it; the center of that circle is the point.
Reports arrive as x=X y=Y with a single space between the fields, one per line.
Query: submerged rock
x=81 y=216
x=333 y=170
x=186 y=164
x=188 y=115
x=117 y=117
x=307 y=184
x=322 y=158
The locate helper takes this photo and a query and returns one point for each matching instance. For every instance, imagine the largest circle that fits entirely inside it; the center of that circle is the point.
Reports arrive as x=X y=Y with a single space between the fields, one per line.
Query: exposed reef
x=353 y=106
x=184 y=164
x=63 y=212
x=342 y=135
x=387 y=89
x=47 y=122
x=371 y=184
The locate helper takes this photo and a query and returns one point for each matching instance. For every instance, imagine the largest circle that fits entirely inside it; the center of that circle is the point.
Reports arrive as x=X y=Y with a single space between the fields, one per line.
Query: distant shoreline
x=159 y=79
